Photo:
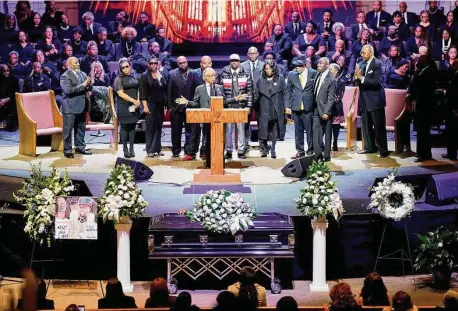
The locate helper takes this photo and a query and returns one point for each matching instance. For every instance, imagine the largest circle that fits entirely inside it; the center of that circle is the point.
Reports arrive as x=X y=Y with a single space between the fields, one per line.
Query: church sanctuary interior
x=186 y=155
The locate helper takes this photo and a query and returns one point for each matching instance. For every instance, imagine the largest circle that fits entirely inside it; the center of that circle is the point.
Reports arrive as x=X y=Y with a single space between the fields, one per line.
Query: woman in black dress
x=398 y=78
x=337 y=110
x=153 y=90
x=309 y=38
x=126 y=86
x=269 y=93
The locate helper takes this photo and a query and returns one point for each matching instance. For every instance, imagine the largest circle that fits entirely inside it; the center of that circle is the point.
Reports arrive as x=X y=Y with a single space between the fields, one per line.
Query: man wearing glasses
x=75 y=84
x=183 y=82
x=238 y=88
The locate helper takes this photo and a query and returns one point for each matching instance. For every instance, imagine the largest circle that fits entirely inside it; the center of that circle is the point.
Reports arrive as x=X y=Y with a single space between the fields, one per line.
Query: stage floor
x=269 y=189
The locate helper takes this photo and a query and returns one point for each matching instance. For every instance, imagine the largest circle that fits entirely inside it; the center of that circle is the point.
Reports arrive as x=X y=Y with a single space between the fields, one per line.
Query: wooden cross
x=216 y=116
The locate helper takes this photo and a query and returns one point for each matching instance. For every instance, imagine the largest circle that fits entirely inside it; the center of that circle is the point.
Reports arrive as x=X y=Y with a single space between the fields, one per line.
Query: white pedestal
x=319 y=284
x=123 y=232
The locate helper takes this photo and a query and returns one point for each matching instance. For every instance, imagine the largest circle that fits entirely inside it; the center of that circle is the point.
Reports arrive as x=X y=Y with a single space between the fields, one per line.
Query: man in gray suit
x=324 y=94
x=201 y=99
x=254 y=67
x=75 y=84
x=299 y=103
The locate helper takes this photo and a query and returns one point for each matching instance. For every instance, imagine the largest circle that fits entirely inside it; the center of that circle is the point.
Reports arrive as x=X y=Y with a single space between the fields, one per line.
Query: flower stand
x=319 y=284
x=123 y=237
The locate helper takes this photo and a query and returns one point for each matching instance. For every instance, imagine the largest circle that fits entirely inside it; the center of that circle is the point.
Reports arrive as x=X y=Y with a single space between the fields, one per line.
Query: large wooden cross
x=216 y=116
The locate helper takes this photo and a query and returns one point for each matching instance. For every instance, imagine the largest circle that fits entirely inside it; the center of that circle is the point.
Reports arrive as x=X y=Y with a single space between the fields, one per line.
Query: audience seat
x=348 y=32
x=377 y=44
x=113 y=127
x=350 y=108
x=396 y=118
x=144 y=47
x=113 y=66
x=38 y=115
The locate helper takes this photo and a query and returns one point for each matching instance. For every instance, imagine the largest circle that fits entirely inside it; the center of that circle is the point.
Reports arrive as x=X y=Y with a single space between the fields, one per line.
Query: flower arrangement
x=436 y=254
x=122 y=196
x=38 y=195
x=320 y=196
x=222 y=211
x=393 y=199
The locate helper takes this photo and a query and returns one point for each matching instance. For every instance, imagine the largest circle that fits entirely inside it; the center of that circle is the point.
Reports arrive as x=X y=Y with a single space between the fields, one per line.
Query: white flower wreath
x=393 y=199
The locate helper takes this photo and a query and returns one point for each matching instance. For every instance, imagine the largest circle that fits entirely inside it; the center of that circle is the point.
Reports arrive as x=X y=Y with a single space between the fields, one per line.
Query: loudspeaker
x=141 y=171
x=442 y=189
x=298 y=167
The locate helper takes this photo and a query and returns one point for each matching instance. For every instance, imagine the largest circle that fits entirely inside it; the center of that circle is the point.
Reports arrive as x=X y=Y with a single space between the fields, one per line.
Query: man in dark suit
x=91 y=56
x=299 y=103
x=409 y=18
x=89 y=27
x=75 y=84
x=145 y=30
x=164 y=43
x=325 y=28
x=182 y=83
x=324 y=95
x=371 y=105
x=377 y=17
x=436 y=15
x=281 y=42
x=295 y=27
x=333 y=56
x=201 y=99
x=360 y=25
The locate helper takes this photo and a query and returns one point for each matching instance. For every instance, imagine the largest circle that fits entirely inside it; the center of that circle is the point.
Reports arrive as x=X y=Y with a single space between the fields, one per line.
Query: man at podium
x=202 y=97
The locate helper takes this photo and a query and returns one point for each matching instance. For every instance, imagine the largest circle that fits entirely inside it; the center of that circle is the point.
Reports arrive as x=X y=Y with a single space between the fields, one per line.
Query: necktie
x=212 y=90
x=326 y=26
x=317 y=84
x=253 y=68
x=377 y=16
x=295 y=30
x=301 y=79
x=360 y=27
x=404 y=17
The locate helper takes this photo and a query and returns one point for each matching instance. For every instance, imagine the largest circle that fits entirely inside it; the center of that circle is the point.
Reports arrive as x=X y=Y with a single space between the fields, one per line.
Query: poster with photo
x=76 y=218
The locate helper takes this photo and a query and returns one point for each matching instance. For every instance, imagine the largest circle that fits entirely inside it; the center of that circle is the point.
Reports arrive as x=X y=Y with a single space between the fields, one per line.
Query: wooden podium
x=216 y=116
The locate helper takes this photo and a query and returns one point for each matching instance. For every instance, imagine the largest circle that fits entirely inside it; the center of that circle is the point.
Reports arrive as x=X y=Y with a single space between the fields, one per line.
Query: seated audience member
x=37 y=81
x=452 y=24
x=249 y=291
x=414 y=42
x=23 y=14
x=79 y=46
x=17 y=69
x=121 y=18
x=9 y=30
x=441 y=47
x=105 y=46
x=430 y=29
x=51 y=47
x=55 y=81
x=346 y=73
x=287 y=303
x=450 y=300
x=271 y=56
x=363 y=39
x=391 y=39
x=164 y=43
x=116 y=36
x=226 y=301
x=47 y=67
x=91 y=56
x=8 y=87
x=64 y=30
x=42 y=302
x=401 y=302
x=98 y=75
x=281 y=42
x=154 y=50
x=378 y=18
x=159 y=296
x=342 y=298
x=145 y=30
x=51 y=16
x=360 y=25
x=128 y=46
x=24 y=48
x=374 y=292
x=392 y=60
x=401 y=28
x=409 y=18
x=447 y=62
x=36 y=29
x=115 y=297
x=67 y=52
x=89 y=27
x=184 y=303
x=436 y=15
x=309 y=38
x=325 y=27
x=311 y=58
x=339 y=49
x=338 y=33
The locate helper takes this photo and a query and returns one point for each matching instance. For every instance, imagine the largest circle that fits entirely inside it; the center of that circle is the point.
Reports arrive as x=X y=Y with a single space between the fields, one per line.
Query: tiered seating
x=38 y=115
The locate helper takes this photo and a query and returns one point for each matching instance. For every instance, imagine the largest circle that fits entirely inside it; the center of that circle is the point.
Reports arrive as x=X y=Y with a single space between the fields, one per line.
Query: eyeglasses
x=124 y=67
x=153 y=63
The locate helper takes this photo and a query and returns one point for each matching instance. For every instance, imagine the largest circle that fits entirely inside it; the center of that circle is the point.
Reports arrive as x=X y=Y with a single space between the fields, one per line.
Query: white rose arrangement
x=38 y=195
x=320 y=196
x=122 y=196
x=222 y=211
x=393 y=199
